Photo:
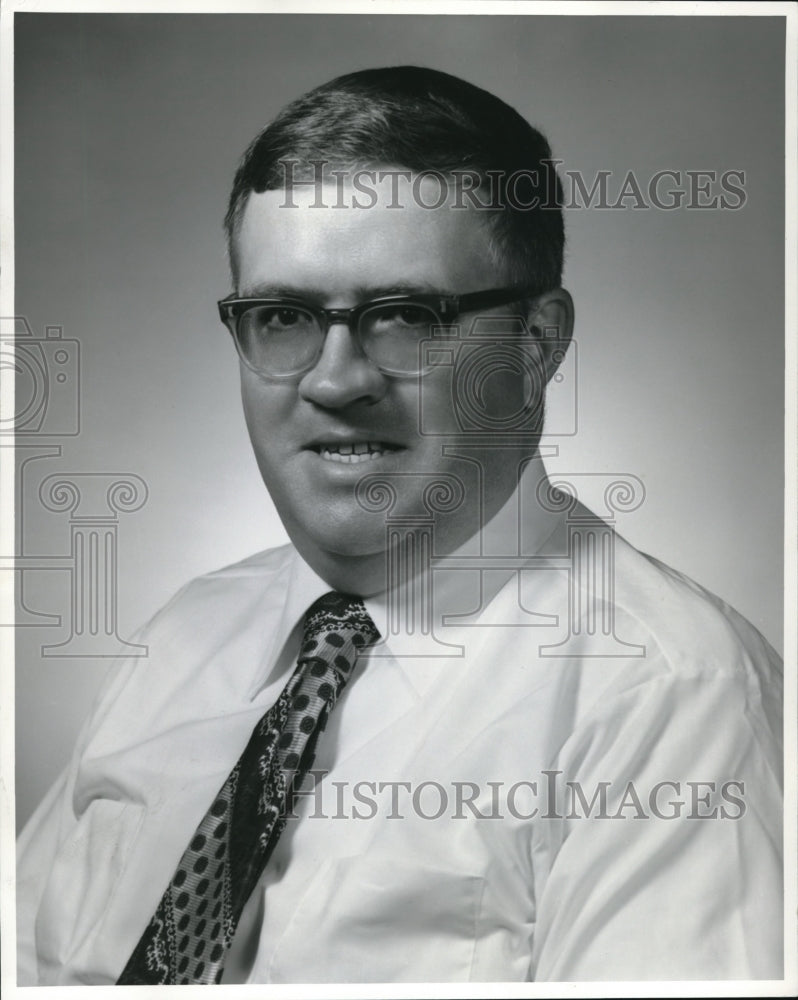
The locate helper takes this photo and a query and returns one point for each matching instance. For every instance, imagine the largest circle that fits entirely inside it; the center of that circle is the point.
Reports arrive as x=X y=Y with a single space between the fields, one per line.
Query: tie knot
x=335 y=618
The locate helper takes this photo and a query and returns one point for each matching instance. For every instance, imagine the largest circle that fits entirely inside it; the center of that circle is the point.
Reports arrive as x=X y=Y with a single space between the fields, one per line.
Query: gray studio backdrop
x=128 y=129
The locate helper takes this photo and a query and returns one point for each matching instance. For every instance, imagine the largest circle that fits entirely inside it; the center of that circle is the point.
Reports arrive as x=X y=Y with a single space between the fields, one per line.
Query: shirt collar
x=302 y=587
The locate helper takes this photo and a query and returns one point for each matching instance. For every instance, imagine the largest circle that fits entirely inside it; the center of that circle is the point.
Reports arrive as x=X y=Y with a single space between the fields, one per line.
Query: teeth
x=363 y=451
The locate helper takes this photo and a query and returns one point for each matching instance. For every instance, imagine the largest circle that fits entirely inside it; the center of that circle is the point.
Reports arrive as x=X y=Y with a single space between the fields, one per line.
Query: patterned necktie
x=187 y=939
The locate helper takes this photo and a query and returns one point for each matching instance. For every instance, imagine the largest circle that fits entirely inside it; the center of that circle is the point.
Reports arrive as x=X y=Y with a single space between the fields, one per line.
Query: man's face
x=310 y=435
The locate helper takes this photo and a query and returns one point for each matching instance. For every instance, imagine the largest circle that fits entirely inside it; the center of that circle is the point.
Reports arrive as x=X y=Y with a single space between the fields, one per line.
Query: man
x=529 y=751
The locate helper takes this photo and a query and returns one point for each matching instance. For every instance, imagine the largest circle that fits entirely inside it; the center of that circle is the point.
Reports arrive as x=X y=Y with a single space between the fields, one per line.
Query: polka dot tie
x=187 y=939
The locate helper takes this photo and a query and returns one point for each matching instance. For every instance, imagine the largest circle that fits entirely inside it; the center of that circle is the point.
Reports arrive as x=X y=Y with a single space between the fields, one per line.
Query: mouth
x=355 y=452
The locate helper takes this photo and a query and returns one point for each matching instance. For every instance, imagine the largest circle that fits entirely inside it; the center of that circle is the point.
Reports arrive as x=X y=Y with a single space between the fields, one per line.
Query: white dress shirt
x=440 y=869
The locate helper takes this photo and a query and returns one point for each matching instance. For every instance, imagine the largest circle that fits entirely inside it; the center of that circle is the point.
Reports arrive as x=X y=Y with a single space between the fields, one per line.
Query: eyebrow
x=362 y=293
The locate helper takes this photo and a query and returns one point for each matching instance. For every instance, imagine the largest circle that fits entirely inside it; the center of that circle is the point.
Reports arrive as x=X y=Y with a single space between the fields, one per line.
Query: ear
x=551 y=321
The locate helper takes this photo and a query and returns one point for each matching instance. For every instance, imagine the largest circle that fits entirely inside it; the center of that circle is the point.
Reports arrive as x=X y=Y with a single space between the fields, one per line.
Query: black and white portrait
x=397 y=462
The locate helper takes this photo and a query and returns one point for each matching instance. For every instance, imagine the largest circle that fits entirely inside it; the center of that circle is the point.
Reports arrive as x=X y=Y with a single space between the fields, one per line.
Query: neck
x=361 y=575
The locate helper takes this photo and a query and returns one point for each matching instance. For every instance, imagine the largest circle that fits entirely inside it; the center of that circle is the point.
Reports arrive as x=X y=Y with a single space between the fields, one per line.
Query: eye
x=401 y=317
x=281 y=318
x=411 y=316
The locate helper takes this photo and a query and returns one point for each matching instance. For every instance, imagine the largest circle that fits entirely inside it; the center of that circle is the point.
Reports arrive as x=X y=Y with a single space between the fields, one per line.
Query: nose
x=343 y=375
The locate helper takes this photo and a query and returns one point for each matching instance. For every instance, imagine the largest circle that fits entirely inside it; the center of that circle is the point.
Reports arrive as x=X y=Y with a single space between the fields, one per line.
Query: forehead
x=362 y=231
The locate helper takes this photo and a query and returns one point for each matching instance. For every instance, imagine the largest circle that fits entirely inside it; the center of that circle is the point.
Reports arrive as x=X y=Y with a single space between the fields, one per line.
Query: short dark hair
x=420 y=119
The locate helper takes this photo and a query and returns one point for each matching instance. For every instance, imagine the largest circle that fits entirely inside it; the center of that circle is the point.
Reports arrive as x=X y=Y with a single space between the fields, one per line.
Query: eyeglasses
x=282 y=338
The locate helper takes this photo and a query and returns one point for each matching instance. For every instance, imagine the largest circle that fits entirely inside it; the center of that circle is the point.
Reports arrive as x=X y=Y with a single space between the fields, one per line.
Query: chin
x=348 y=558
x=354 y=542
x=356 y=537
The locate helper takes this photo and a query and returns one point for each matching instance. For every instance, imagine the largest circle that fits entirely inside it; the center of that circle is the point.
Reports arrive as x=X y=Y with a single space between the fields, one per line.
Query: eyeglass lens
x=285 y=340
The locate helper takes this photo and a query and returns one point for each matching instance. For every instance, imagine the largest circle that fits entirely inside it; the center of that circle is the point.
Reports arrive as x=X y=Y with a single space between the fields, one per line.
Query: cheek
x=485 y=392
x=431 y=406
x=266 y=412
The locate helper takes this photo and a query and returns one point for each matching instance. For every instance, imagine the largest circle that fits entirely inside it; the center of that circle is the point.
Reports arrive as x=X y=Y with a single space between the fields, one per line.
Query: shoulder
x=702 y=659
x=692 y=629
x=683 y=679
x=645 y=638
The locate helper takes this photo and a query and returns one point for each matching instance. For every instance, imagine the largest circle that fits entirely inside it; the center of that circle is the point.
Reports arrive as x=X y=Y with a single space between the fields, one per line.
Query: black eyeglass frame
x=446 y=309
